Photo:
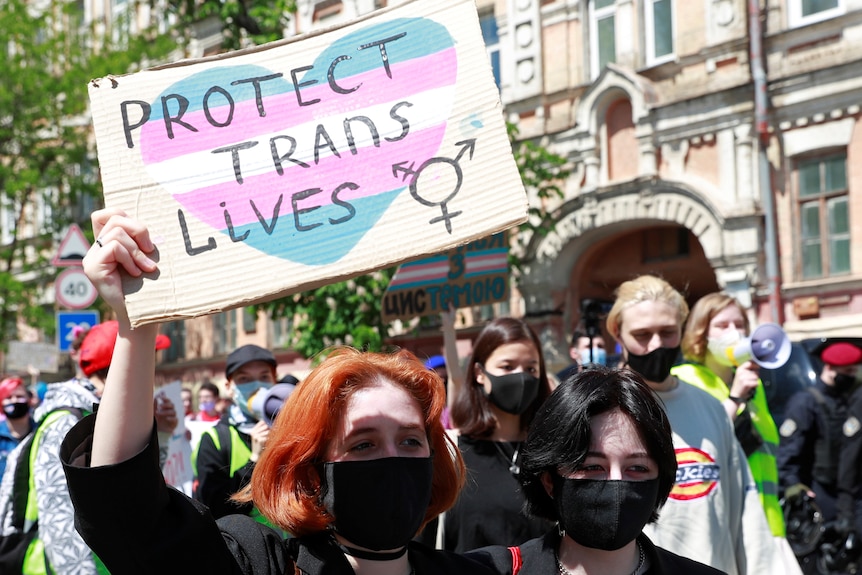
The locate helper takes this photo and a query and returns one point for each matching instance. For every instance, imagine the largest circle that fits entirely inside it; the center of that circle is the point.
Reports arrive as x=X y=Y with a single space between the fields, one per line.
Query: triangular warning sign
x=73 y=248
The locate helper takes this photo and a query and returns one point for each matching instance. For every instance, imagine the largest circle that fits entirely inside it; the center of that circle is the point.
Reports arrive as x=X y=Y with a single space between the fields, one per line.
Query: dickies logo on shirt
x=697 y=474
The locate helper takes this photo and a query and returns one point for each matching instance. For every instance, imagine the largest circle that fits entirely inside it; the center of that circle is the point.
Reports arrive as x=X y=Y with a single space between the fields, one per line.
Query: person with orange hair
x=356 y=463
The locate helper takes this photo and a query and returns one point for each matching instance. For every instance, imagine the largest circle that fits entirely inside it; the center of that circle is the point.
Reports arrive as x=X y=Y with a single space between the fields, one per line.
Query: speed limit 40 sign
x=74 y=290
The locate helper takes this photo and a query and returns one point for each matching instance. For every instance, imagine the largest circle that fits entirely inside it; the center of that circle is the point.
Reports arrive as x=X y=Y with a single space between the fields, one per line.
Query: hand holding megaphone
x=767 y=346
x=266 y=403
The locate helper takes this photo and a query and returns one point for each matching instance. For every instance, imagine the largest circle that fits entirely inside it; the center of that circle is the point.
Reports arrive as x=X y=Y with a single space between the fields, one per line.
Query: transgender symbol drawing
x=436 y=168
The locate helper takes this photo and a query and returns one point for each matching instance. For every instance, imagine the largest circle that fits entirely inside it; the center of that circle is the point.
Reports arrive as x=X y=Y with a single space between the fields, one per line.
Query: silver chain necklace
x=641 y=559
x=514 y=468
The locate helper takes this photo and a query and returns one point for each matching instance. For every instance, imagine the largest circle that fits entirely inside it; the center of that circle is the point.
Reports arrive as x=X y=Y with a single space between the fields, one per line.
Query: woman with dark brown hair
x=356 y=463
x=493 y=404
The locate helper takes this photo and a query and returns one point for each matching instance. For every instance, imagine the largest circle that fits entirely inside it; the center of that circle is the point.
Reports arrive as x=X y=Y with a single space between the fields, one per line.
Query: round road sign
x=74 y=290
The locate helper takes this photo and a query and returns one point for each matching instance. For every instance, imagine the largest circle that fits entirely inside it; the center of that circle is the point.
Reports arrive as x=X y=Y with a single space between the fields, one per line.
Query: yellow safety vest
x=764 y=467
x=240 y=454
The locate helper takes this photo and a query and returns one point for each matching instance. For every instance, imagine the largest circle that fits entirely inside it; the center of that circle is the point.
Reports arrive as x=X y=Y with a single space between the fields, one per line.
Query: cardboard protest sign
x=475 y=274
x=278 y=169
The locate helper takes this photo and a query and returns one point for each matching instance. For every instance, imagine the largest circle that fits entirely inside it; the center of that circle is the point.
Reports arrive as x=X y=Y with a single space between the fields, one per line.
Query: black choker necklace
x=372 y=555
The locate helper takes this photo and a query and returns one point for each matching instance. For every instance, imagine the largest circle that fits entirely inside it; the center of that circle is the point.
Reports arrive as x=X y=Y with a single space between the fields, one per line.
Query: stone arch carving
x=587 y=219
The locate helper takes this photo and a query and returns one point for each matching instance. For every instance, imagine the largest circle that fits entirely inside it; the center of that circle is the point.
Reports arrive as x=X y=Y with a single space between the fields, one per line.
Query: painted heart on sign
x=297 y=163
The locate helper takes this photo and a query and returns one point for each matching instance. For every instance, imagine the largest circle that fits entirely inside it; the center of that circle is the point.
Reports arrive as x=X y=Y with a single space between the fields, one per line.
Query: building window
x=802 y=12
x=249 y=320
x=281 y=332
x=45 y=210
x=327 y=11
x=488 y=23
x=824 y=219
x=602 y=35
x=176 y=331
x=224 y=332
x=8 y=221
x=659 y=30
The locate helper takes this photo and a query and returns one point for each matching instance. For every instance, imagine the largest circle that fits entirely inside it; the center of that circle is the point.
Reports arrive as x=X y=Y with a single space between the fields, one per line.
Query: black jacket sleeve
x=135 y=523
x=215 y=486
x=795 y=456
x=850 y=463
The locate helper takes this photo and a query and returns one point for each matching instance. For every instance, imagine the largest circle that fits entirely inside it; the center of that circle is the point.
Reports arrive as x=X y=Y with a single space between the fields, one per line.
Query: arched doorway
x=665 y=249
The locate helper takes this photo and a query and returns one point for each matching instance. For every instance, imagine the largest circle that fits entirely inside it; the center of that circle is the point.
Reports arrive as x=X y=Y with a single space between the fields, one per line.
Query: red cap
x=97 y=349
x=841 y=354
x=8 y=385
x=162 y=342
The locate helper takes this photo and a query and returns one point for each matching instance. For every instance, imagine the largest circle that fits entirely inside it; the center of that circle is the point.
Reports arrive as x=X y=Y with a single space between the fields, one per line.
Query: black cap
x=289 y=378
x=247 y=354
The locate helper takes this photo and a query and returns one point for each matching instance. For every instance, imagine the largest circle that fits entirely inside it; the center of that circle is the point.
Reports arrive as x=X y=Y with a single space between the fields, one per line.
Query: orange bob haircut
x=285 y=484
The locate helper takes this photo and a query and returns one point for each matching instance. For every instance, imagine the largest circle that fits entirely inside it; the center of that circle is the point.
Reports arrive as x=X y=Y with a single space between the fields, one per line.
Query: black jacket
x=215 y=484
x=539 y=558
x=490 y=508
x=850 y=463
x=805 y=430
x=137 y=524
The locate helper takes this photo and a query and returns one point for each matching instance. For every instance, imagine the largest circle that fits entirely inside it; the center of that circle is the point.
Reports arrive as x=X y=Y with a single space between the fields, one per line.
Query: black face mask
x=843 y=382
x=380 y=503
x=604 y=514
x=654 y=366
x=16 y=410
x=513 y=392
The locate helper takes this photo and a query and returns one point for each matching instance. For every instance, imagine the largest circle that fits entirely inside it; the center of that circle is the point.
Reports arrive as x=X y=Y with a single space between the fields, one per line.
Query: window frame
x=493 y=48
x=8 y=220
x=795 y=19
x=822 y=198
x=595 y=15
x=649 y=33
x=176 y=331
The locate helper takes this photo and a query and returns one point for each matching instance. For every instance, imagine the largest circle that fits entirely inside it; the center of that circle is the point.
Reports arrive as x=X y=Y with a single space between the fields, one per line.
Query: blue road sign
x=68 y=323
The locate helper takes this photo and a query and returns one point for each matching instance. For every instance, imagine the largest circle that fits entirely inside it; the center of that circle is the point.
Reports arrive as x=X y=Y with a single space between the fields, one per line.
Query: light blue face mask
x=600 y=357
x=243 y=392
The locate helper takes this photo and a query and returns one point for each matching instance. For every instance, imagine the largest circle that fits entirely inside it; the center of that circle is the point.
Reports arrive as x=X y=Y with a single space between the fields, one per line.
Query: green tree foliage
x=346 y=312
x=244 y=22
x=46 y=61
x=543 y=173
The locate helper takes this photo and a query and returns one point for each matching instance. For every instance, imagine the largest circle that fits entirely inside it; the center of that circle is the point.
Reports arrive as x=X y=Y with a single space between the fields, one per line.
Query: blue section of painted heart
x=324 y=244
x=296 y=237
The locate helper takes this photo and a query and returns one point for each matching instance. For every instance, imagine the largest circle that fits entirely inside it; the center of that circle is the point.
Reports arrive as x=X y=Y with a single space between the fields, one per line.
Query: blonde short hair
x=644 y=288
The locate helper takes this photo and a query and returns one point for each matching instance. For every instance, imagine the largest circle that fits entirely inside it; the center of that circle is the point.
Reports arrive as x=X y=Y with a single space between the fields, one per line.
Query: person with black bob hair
x=599 y=461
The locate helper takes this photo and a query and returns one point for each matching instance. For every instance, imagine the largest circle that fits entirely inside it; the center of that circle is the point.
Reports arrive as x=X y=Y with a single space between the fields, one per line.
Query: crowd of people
x=664 y=460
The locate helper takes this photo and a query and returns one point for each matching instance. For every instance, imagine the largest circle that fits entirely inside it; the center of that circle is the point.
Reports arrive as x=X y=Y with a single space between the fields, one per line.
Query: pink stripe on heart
x=282 y=111
x=370 y=165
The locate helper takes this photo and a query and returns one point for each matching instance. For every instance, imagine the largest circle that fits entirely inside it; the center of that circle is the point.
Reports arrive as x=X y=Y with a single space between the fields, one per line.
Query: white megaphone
x=767 y=346
x=267 y=403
